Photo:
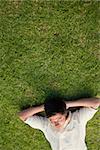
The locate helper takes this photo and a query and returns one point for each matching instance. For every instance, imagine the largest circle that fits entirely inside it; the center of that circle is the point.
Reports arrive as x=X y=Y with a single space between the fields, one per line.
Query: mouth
x=58 y=126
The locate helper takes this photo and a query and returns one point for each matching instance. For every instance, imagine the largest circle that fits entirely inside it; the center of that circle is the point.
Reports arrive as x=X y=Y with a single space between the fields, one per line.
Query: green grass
x=46 y=47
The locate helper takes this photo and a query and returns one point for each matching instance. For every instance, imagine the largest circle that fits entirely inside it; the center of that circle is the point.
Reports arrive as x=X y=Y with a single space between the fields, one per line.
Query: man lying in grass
x=65 y=130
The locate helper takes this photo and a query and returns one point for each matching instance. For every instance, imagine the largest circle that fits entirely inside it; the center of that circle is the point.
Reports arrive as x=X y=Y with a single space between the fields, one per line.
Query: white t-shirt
x=71 y=136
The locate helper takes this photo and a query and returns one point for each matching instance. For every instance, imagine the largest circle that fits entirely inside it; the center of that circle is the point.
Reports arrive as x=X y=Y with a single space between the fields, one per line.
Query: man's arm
x=85 y=102
x=23 y=115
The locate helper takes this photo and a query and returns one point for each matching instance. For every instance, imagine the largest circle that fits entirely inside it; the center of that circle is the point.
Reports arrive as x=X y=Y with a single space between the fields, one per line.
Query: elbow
x=97 y=102
x=21 y=117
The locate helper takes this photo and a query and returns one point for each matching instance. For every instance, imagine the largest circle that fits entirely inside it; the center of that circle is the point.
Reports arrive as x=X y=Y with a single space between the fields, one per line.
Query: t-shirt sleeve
x=37 y=122
x=87 y=113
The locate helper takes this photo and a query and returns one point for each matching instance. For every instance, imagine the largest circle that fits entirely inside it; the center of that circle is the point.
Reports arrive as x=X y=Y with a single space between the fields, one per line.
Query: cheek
x=63 y=121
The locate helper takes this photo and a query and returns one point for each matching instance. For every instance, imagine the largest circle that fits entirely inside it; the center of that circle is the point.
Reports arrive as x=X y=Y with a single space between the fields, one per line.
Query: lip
x=58 y=126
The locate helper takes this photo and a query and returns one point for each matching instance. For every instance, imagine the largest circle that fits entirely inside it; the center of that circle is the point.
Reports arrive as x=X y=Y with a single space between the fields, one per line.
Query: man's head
x=55 y=109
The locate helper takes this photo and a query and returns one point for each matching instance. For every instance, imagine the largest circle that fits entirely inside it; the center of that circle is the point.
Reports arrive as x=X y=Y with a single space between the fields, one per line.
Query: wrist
x=41 y=107
x=67 y=104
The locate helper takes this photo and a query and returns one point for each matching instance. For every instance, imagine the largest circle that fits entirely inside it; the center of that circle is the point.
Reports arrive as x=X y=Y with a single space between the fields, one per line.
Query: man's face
x=58 y=120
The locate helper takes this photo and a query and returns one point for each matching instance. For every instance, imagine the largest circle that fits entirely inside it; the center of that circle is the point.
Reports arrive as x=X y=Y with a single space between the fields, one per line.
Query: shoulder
x=85 y=114
x=37 y=122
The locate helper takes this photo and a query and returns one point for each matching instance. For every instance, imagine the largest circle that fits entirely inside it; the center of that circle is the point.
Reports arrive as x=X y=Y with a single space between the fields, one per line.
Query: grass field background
x=46 y=48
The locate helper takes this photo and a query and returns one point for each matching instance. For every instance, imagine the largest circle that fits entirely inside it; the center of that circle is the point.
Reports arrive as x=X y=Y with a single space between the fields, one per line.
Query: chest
x=68 y=134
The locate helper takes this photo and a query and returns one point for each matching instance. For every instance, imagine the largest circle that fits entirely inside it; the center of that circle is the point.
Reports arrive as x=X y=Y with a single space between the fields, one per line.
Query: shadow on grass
x=54 y=94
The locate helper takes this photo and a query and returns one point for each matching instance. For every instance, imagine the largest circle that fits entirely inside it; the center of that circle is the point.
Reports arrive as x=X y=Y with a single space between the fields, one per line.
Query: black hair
x=54 y=106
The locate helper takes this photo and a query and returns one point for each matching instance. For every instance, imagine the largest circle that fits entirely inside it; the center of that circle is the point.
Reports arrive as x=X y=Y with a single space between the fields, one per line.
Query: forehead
x=57 y=116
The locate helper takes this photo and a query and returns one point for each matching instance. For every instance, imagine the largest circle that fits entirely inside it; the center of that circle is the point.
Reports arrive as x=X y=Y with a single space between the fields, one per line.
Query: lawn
x=47 y=47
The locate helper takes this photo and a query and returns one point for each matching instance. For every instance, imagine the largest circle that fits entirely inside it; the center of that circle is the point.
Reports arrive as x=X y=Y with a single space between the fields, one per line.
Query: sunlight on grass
x=46 y=46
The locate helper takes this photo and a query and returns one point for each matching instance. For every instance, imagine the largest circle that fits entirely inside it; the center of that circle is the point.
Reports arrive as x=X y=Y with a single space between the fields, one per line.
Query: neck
x=67 y=115
x=68 y=118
